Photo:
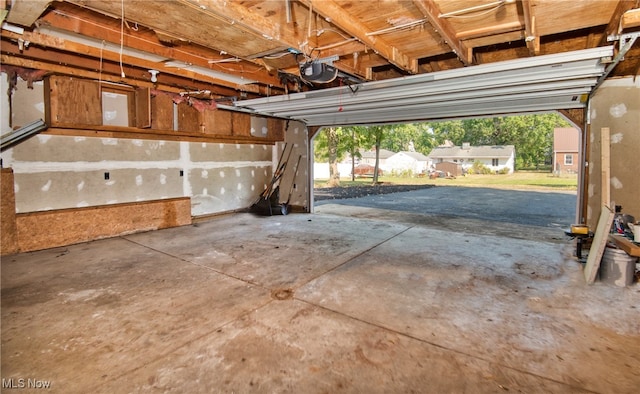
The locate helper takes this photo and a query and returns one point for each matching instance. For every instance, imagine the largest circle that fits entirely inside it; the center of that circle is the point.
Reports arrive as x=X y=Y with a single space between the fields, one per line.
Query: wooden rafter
x=630 y=18
x=614 y=23
x=431 y=11
x=489 y=30
x=340 y=18
x=531 y=35
x=146 y=42
x=239 y=15
x=44 y=41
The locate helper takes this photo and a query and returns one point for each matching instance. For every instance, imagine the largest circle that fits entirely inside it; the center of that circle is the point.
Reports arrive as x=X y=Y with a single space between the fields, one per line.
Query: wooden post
x=605 y=156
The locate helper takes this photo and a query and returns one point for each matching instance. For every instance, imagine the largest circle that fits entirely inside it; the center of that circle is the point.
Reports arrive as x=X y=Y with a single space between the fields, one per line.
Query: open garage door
x=543 y=83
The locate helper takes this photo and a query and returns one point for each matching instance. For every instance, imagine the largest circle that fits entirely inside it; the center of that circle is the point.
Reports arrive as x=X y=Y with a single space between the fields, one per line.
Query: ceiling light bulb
x=154 y=75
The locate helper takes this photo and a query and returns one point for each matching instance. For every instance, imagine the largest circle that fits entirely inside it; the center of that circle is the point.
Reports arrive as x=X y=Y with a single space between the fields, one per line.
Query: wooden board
x=48 y=229
x=8 y=236
x=241 y=124
x=276 y=129
x=143 y=108
x=598 y=244
x=217 y=122
x=605 y=160
x=72 y=101
x=625 y=244
x=161 y=112
x=189 y=119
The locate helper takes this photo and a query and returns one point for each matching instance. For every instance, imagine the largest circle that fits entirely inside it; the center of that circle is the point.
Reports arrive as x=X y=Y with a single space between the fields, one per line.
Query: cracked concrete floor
x=344 y=300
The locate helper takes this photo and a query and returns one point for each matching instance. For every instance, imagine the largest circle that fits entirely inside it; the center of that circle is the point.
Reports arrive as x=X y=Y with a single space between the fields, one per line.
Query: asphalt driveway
x=533 y=208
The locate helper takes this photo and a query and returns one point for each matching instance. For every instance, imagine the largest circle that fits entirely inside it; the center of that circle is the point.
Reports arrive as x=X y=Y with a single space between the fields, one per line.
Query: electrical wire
x=122 y=38
x=100 y=71
x=454 y=14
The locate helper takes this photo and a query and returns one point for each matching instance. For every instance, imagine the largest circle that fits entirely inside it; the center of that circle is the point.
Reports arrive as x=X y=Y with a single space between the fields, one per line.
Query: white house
x=403 y=161
x=495 y=157
x=369 y=157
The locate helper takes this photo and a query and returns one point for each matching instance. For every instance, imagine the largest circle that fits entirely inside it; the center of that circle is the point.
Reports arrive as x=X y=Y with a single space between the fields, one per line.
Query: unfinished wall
x=616 y=105
x=297 y=135
x=60 y=172
x=66 y=179
x=8 y=229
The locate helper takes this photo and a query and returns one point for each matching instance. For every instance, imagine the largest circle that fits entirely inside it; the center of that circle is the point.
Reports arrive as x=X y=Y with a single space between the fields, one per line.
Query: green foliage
x=532 y=136
x=479 y=168
x=402 y=173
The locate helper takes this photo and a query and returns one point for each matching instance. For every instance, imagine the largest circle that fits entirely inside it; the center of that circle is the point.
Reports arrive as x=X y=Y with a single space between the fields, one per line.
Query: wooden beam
x=531 y=37
x=238 y=15
x=631 y=18
x=106 y=55
x=489 y=30
x=329 y=9
x=575 y=115
x=605 y=160
x=109 y=31
x=598 y=244
x=55 y=67
x=431 y=11
x=614 y=23
x=26 y=12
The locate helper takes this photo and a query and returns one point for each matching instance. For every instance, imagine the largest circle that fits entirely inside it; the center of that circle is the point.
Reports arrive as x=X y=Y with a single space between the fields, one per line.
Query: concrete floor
x=344 y=300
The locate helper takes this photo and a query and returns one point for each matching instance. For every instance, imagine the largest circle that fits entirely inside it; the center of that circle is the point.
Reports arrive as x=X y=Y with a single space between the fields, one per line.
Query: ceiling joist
x=531 y=35
x=109 y=31
x=430 y=11
x=614 y=26
x=329 y=10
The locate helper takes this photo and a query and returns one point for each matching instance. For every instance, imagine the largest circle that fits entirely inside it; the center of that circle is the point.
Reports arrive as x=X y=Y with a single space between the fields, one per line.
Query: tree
x=333 y=140
x=376 y=136
x=532 y=135
x=355 y=139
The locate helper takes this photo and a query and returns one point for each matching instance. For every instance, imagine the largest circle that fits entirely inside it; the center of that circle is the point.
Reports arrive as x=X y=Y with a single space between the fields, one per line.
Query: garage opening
x=511 y=169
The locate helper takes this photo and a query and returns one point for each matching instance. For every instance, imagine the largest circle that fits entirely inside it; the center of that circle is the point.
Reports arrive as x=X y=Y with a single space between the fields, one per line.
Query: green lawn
x=528 y=180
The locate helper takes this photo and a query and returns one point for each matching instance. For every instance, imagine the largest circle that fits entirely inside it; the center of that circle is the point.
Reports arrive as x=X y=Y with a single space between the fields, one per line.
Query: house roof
x=483 y=151
x=371 y=154
x=414 y=155
x=566 y=139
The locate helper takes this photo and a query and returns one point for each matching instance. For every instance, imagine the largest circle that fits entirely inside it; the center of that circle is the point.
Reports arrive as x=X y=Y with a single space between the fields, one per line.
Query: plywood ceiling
x=253 y=48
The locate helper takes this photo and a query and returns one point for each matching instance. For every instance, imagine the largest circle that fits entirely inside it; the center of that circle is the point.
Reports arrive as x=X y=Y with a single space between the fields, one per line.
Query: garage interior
x=136 y=135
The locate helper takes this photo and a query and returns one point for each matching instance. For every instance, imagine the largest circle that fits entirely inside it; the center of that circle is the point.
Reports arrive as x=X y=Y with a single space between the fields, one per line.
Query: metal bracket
x=625 y=43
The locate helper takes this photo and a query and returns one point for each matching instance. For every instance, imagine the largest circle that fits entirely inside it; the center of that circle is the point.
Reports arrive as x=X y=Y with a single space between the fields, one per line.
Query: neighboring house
x=566 y=143
x=369 y=157
x=403 y=161
x=495 y=157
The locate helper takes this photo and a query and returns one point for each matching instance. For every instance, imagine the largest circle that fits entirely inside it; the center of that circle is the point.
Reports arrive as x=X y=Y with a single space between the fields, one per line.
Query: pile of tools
x=268 y=203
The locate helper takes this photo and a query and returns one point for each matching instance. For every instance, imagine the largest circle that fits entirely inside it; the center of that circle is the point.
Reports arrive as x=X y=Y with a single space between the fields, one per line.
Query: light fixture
x=154 y=75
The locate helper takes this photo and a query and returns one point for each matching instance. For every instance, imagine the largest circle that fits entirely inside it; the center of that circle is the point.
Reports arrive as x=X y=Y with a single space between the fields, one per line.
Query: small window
x=495 y=162
x=116 y=106
x=568 y=160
